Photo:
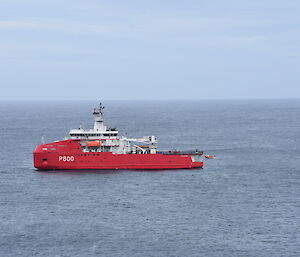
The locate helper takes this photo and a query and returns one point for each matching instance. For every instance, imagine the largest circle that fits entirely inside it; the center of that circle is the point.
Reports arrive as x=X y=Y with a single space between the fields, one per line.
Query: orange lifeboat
x=210 y=156
x=95 y=143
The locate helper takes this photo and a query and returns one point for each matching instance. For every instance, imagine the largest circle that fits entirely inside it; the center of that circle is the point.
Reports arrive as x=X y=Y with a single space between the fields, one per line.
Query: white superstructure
x=103 y=139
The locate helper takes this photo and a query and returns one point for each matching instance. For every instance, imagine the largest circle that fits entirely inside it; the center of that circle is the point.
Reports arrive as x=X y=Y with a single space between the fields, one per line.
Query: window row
x=93 y=135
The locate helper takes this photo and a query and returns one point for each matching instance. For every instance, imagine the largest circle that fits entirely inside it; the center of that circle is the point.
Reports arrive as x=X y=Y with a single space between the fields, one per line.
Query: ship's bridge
x=81 y=133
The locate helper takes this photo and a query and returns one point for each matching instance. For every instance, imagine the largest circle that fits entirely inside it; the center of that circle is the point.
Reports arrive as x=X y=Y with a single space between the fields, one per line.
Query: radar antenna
x=99 y=110
x=101 y=107
x=99 y=121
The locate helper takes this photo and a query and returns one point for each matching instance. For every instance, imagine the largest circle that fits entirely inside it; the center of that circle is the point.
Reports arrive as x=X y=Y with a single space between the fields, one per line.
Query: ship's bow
x=40 y=160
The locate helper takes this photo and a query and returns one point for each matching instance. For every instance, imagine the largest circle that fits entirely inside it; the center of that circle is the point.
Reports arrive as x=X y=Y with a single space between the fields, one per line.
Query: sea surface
x=244 y=203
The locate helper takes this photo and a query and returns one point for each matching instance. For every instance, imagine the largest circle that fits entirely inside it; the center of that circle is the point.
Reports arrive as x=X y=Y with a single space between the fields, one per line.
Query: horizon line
x=148 y=100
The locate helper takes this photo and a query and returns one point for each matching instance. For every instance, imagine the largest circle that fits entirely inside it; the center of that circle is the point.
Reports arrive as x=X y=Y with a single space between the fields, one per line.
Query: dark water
x=245 y=203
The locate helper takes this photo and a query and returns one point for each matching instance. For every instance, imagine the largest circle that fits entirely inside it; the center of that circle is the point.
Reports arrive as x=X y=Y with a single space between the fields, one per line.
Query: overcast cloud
x=82 y=50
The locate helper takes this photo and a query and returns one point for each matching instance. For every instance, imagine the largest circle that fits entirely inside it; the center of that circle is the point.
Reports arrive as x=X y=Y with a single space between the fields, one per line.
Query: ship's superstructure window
x=94 y=135
x=110 y=135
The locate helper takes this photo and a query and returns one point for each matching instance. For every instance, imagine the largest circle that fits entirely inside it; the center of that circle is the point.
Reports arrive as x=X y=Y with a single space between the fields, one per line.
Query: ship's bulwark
x=67 y=154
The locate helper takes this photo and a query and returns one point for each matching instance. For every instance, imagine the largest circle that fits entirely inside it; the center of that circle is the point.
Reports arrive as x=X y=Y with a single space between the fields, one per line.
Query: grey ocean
x=245 y=203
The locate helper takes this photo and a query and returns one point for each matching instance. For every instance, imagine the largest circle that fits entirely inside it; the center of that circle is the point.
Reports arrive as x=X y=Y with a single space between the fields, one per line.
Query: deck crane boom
x=151 y=142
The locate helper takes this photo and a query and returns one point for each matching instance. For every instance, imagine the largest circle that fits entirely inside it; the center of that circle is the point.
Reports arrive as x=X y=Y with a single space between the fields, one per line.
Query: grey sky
x=88 y=49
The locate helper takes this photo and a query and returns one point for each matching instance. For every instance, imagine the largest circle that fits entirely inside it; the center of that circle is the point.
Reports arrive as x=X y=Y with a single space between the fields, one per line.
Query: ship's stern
x=197 y=161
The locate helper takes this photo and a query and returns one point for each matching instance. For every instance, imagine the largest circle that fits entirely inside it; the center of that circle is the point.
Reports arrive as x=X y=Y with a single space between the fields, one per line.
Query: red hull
x=67 y=154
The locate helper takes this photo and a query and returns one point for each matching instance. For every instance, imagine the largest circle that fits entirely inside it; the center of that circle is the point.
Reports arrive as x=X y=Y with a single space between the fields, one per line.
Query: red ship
x=103 y=148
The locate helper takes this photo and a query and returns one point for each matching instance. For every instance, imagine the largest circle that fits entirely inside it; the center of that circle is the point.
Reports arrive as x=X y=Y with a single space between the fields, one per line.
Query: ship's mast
x=99 y=120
